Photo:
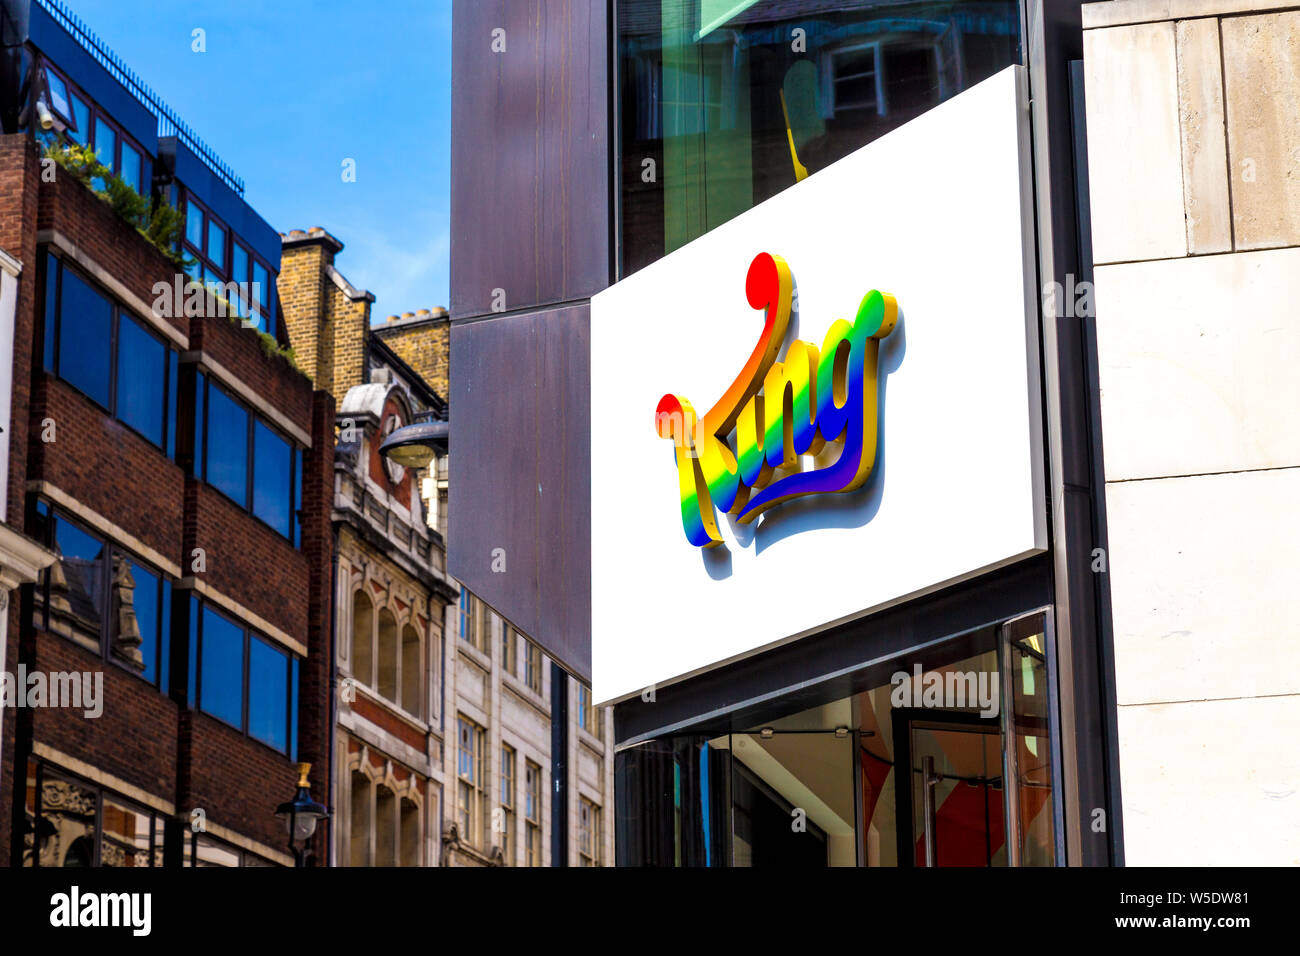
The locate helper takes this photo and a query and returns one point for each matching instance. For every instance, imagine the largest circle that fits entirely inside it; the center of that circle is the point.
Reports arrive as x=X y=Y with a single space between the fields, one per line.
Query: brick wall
x=422 y=340
x=145 y=737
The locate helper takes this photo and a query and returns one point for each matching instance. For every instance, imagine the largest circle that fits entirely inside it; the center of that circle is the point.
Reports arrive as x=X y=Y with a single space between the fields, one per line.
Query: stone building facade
x=442 y=748
x=1193 y=114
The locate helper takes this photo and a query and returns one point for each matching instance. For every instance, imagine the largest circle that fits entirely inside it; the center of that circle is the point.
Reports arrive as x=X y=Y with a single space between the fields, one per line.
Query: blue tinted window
x=238 y=262
x=227 y=447
x=77 y=586
x=58 y=94
x=141 y=385
x=131 y=167
x=217 y=244
x=268 y=688
x=81 y=115
x=262 y=292
x=272 y=467
x=194 y=225
x=137 y=646
x=105 y=144
x=221 y=687
x=85 y=333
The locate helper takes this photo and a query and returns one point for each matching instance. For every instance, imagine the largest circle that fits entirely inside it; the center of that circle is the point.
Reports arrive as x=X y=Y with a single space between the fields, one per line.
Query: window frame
x=251 y=311
x=200 y=459
x=199 y=606
x=156 y=829
x=94 y=114
x=589 y=832
x=51 y=337
x=508 y=784
x=191 y=845
x=533 y=666
x=533 y=822
x=470 y=813
x=48 y=515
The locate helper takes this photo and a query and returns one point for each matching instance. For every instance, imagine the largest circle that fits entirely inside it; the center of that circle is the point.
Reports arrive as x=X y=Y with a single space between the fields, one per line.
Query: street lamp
x=300 y=816
x=414 y=445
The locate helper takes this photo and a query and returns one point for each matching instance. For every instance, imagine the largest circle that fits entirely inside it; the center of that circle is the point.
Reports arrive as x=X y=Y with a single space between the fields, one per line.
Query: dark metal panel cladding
x=530 y=212
x=520 y=475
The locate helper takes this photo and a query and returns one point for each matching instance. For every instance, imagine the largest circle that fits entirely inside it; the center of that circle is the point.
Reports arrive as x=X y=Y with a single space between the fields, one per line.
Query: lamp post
x=300 y=816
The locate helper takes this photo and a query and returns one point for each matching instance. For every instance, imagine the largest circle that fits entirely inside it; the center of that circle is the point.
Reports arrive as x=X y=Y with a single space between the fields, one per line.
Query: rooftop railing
x=169 y=124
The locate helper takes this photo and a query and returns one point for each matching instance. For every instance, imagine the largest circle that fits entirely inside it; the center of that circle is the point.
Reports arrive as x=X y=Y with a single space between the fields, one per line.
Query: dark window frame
x=47 y=522
x=252 y=310
x=156 y=828
x=50 y=338
x=201 y=457
x=96 y=113
x=199 y=606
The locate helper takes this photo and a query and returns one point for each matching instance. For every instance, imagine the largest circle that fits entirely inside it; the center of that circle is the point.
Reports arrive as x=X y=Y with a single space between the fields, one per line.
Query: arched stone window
x=388 y=655
x=410 y=835
x=363 y=631
x=385 y=831
x=359 y=828
x=412 y=698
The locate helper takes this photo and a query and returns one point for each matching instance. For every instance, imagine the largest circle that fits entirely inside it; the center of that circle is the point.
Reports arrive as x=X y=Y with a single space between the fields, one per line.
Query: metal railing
x=169 y=124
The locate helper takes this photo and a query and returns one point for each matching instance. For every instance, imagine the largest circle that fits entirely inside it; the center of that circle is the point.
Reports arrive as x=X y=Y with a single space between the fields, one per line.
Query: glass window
x=85 y=335
x=532 y=814
x=58 y=94
x=138 y=622
x=217 y=244
x=131 y=167
x=141 y=384
x=194 y=224
x=268 y=685
x=76 y=585
x=227 y=446
x=723 y=105
x=238 y=262
x=105 y=144
x=128 y=835
x=221 y=681
x=80 y=116
x=272 y=465
x=262 y=286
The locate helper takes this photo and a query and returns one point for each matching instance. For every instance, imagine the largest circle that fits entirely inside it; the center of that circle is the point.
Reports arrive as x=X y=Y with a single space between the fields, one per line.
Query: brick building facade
x=179 y=466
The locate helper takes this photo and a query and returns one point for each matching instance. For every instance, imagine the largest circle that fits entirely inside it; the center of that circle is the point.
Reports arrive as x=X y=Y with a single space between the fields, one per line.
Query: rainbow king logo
x=779 y=412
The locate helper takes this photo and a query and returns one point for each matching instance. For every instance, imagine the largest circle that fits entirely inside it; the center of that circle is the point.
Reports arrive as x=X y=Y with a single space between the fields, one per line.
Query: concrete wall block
x=1211 y=783
x=1203 y=586
x=1134 y=143
x=1261 y=60
x=1197 y=361
x=1205 y=147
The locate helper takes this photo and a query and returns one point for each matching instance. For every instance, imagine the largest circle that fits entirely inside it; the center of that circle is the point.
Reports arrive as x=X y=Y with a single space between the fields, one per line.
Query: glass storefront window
x=724 y=103
x=908 y=770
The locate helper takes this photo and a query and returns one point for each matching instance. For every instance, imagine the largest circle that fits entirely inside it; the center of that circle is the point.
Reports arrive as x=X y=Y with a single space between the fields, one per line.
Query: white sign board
x=936 y=214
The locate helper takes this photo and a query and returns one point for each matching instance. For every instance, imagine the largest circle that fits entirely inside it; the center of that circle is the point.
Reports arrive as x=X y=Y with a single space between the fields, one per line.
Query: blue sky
x=287 y=90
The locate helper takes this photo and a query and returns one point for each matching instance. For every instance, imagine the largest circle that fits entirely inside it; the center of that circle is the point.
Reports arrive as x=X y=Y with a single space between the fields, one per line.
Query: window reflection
x=724 y=103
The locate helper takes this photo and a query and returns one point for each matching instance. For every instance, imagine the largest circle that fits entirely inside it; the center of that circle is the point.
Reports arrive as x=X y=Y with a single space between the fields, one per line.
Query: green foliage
x=160 y=222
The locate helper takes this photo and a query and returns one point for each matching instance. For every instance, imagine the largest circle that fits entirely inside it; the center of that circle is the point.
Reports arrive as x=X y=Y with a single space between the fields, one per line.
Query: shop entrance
x=944 y=756
x=950 y=807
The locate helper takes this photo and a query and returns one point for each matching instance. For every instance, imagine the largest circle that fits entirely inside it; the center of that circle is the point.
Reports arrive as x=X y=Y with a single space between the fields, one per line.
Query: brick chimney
x=422 y=340
x=326 y=317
